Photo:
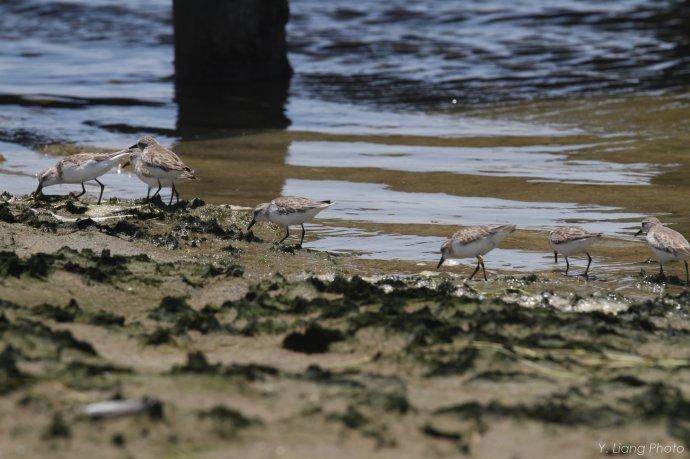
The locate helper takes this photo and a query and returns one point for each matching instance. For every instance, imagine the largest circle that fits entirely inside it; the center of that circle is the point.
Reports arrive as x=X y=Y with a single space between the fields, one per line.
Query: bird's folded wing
x=571 y=233
x=471 y=233
x=293 y=204
x=162 y=158
x=670 y=241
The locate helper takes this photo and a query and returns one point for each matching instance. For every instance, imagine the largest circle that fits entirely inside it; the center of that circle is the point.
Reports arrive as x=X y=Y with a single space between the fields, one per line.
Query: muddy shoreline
x=254 y=349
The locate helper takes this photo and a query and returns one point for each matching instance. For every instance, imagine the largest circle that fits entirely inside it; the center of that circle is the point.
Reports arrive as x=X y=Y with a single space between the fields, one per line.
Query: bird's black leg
x=661 y=269
x=481 y=260
x=302 y=238
x=100 y=196
x=589 y=262
x=475 y=269
x=173 y=193
x=555 y=257
x=567 y=265
x=287 y=234
x=83 y=191
x=687 y=277
x=177 y=194
x=158 y=190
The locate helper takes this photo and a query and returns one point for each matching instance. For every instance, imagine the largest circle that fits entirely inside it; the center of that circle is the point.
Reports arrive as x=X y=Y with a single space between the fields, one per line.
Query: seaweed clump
x=73 y=313
x=227 y=421
x=314 y=340
x=36 y=265
x=11 y=378
x=185 y=318
x=197 y=363
x=102 y=267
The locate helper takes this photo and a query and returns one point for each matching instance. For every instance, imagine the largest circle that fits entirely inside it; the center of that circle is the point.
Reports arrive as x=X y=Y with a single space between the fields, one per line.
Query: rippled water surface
x=413 y=116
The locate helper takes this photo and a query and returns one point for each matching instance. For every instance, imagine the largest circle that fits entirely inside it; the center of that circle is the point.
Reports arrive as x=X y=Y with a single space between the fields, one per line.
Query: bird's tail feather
x=505 y=228
x=122 y=156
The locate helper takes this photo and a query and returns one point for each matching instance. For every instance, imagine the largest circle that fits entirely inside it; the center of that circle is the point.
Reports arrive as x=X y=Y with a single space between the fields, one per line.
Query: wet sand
x=254 y=349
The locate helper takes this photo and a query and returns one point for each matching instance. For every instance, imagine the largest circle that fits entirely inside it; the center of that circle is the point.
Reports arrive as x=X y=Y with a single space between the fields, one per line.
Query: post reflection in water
x=214 y=124
x=237 y=169
x=217 y=109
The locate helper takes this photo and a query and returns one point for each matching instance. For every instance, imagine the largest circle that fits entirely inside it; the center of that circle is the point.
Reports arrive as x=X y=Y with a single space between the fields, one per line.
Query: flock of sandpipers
x=159 y=167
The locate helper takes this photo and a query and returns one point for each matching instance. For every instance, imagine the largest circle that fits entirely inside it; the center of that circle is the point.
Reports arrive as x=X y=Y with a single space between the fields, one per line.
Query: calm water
x=414 y=116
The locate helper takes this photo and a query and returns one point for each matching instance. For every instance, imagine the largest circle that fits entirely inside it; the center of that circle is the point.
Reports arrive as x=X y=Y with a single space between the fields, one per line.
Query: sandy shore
x=244 y=348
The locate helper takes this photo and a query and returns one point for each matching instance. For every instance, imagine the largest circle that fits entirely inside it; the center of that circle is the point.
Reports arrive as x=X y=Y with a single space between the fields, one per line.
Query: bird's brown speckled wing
x=666 y=239
x=294 y=204
x=81 y=158
x=160 y=157
x=570 y=233
x=471 y=233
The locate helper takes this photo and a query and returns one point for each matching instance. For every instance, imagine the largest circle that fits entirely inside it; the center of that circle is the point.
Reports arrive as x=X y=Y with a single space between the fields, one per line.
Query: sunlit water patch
x=385 y=246
x=19 y=168
x=371 y=202
x=374 y=244
x=344 y=118
x=537 y=162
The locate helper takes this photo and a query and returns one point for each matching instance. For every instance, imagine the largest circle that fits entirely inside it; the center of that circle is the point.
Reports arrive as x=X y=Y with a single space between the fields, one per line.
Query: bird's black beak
x=38 y=190
x=555 y=257
x=638 y=233
x=134 y=147
x=251 y=224
x=440 y=262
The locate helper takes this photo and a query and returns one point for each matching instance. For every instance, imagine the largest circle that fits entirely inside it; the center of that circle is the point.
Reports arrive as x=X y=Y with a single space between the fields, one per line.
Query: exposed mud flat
x=220 y=343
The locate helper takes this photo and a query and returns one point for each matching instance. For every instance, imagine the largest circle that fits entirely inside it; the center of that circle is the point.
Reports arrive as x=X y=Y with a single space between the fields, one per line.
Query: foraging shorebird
x=80 y=168
x=665 y=244
x=474 y=241
x=287 y=211
x=571 y=240
x=155 y=165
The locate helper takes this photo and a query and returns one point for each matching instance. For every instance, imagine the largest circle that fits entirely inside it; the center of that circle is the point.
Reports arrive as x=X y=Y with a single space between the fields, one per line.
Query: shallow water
x=536 y=162
x=377 y=204
x=488 y=114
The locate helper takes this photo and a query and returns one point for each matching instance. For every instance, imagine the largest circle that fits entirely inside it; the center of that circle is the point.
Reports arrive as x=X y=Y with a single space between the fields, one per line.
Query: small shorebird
x=665 y=243
x=80 y=168
x=288 y=210
x=571 y=240
x=155 y=165
x=474 y=241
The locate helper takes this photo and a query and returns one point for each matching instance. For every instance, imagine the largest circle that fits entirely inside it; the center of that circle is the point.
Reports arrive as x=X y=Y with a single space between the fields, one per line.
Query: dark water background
x=81 y=71
x=422 y=52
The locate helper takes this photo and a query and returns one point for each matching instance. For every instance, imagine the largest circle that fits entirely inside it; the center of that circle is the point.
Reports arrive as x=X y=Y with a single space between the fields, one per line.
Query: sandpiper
x=287 y=211
x=155 y=165
x=665 y=243
x=474 y=241
x=80 y=168
x=571 y=240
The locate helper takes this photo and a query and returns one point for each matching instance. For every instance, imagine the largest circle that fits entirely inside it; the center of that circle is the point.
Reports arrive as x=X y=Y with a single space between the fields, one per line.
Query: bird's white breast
x=88 y=170
x=473 y=249
x=572 y=247
x=163 y=174
x=152 y=182
x=294 y=218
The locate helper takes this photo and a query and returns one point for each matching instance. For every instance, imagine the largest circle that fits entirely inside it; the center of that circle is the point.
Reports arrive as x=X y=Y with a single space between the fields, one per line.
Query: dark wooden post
x=231 y=64
x=230 y=40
